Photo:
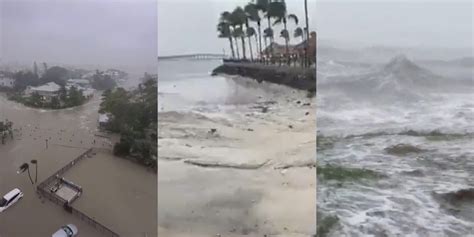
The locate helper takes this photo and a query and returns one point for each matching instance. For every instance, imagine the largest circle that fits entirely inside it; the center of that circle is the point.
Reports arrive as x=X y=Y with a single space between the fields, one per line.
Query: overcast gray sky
x=116 y=32
x=189 y=26
x=108 y=32
x=418 y=23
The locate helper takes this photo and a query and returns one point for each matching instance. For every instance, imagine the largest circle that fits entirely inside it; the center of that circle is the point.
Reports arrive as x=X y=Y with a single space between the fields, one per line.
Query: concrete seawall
x=295 y=77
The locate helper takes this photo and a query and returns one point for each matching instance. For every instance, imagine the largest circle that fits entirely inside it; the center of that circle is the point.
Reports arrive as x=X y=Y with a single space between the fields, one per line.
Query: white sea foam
x=402 y=204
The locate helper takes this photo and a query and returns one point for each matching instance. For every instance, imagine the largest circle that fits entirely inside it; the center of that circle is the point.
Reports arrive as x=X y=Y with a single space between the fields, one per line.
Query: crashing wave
x=401 y=73
x=399 y=79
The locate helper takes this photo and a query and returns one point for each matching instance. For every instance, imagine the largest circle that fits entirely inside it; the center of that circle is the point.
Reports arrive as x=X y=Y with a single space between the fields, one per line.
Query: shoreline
x=294 y=77
x=242 y=168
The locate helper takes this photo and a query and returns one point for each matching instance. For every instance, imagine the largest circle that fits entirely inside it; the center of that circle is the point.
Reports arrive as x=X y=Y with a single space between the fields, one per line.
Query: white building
x=79 y=83
x=88 y=93
x=103 y=120
x=47 y=91
x=88 y=75
x=6 y=82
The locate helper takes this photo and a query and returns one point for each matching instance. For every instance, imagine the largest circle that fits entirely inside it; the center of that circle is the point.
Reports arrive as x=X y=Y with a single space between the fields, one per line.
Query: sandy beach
x=241 y=171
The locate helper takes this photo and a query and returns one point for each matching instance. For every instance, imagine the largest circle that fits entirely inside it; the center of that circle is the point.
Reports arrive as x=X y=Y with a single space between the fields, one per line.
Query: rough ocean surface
x=413 y=126
x=235 y=157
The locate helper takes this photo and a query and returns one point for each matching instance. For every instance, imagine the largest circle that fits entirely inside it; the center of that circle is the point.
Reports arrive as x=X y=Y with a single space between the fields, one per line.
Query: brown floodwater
x=70 y=132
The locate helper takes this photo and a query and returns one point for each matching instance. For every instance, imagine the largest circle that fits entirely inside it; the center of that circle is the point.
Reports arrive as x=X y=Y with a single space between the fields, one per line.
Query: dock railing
x=43 y=190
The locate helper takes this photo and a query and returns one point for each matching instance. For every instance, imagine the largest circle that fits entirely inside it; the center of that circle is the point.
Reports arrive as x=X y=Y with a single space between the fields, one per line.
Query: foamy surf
x=421 y=147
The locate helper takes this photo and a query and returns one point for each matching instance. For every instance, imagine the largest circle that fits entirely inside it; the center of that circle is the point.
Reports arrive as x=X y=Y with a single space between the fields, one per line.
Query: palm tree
x=257 y=37
x=307 y=31
x=25 y=167
x=281 y=15
x=35 y=162
x=285 y=35
x=224 y=29
x=268 y=33
x=239 y=18
x=299 y=33
x=253 y=15
x=236 y=34
x=262 y=6
x=272 y=12
x=251 y=32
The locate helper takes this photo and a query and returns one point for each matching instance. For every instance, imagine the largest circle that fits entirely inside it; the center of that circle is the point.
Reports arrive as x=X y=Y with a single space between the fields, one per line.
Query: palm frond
x=294 y=18
x=238 y=16
x=250 y=31
x=252 y=12
x=262 y=5
x=298 y=32
x=268 y=33
x=276 y=9
x=278 y=21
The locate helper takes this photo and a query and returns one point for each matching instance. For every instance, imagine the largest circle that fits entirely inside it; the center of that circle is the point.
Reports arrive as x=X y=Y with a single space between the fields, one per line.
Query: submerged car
x=66 y=231
x=10 y=198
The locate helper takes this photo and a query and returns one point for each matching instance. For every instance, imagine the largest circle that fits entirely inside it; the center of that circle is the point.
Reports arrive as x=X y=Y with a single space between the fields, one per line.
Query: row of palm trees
x=236 y=25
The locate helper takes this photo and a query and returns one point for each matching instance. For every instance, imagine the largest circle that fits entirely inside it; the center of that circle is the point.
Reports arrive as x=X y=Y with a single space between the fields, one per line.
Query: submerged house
x=82 y=85
x=46 y=91
x=6 y=81
x=79 y=83
x=103 y=120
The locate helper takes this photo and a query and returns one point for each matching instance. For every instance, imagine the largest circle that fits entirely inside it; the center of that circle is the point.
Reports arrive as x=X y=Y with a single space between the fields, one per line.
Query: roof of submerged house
x=78 y=81
x=48 y=87
x=103 y=118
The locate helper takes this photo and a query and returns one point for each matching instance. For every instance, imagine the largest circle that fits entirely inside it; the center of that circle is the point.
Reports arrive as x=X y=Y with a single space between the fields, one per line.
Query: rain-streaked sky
x=106 y=32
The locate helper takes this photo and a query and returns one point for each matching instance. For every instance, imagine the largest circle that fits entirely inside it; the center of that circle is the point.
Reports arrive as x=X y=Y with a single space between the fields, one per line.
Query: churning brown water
x=69 y=132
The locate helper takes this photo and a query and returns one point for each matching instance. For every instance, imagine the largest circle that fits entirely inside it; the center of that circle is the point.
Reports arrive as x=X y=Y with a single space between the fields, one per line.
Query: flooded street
x=235 y=157
x=69 y=132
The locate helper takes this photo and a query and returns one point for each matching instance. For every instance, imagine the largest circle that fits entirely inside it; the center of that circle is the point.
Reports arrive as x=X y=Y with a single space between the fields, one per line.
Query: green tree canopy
x=58 y=75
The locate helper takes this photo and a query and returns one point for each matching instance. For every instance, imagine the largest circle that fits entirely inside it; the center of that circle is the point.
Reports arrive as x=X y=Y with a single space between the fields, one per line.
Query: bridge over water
x=199 y=56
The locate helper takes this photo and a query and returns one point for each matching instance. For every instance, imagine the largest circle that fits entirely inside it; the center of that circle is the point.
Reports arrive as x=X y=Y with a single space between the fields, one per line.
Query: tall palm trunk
x=231 y=47
x=242 y=38
x=29 y=175
x=259 y=38
x=286 y=39
x=265 y=41
x=250 y=48
x=271 y=37
x=237 y=48
x=256 y=43
x=36 y=172
x=307 y=32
